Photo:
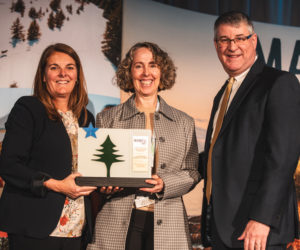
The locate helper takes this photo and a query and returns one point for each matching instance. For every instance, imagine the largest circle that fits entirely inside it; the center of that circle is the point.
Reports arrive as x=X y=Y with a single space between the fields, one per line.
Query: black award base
x=112 y=181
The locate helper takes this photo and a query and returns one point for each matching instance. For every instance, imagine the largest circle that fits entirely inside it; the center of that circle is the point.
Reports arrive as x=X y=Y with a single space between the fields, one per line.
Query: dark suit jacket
x=255 y=156
x=35 y=148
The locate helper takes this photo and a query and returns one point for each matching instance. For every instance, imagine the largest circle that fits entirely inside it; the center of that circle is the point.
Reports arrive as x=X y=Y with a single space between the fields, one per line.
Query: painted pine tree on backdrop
x=33 y=31
x=17 y=31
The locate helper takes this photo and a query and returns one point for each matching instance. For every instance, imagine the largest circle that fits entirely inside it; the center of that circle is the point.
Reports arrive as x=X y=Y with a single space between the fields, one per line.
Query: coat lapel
x=213 y=113
x=165 y=109
x=242 y=92
x=129 y=109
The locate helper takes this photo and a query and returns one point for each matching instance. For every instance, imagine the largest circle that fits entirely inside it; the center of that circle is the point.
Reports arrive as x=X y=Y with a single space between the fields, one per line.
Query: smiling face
x=60 y=75
x=236 y=58
x=145 y=73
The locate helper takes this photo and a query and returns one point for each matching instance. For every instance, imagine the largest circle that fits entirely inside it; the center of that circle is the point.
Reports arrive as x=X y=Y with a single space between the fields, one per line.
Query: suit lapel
x=242 y=92
x=213 y=113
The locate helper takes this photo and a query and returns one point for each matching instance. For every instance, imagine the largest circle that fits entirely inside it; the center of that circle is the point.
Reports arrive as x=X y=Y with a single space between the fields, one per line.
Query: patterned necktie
x=219 y=122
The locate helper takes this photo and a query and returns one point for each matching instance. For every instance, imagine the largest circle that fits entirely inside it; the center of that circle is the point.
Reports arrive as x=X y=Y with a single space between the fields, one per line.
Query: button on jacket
x=35 y=148
x=177 y=149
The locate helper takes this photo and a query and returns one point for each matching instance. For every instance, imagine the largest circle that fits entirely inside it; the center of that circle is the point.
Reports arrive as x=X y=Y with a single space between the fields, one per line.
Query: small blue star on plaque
x=90 y=131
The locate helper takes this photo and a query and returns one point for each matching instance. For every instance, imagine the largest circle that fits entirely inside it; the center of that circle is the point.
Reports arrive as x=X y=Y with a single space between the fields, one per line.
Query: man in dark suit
x=252 y=147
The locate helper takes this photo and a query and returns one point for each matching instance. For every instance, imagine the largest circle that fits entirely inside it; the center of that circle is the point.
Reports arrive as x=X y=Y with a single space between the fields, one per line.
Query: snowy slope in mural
x=29 y=26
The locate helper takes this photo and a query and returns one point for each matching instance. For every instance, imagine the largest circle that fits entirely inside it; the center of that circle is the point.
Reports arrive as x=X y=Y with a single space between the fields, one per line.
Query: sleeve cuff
x=37 y=184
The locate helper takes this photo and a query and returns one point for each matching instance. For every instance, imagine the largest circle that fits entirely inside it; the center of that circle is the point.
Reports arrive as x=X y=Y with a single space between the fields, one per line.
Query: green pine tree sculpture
x=108 y=155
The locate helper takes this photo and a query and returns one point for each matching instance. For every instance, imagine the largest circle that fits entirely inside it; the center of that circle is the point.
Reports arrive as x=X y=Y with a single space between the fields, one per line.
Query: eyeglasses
x=225 y=41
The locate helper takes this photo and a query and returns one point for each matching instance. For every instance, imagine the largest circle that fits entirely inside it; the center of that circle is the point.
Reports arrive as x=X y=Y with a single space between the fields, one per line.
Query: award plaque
x=114 y=157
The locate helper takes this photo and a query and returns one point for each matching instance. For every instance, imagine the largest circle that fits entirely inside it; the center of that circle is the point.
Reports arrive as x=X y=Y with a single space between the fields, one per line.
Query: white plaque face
x=114 y=152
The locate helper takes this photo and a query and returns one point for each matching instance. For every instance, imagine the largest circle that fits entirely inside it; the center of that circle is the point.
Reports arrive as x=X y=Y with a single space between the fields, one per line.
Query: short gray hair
x=233 y=18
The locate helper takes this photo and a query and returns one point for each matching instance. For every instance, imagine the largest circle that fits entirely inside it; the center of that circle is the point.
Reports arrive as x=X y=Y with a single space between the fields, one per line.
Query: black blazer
x=255 y=156
x=35 y=149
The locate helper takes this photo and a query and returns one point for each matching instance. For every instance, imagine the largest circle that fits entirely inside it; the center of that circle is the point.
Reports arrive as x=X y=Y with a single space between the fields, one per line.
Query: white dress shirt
x=237 y=83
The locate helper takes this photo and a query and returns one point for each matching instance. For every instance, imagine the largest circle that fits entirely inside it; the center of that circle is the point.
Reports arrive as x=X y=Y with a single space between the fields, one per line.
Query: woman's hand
x=157 y=182
x=110 y=190
x=68 y=186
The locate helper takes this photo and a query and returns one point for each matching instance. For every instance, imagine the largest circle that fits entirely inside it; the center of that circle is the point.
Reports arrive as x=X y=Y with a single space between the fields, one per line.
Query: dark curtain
x=283 y=12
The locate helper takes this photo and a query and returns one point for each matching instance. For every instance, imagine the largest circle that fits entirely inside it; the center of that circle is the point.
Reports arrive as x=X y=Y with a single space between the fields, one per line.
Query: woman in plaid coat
x=123 y=223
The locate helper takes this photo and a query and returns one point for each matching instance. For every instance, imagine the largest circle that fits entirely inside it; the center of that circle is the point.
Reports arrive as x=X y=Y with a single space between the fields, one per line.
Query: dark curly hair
x=168 y=71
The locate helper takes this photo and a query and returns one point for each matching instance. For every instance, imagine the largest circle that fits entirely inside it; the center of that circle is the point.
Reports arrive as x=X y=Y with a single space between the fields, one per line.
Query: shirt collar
x=67 y=113
x=242 y=76
x=162 y=107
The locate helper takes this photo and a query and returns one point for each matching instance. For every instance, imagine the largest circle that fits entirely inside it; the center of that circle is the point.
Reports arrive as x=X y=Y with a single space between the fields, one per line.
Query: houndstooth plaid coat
x=178 y=158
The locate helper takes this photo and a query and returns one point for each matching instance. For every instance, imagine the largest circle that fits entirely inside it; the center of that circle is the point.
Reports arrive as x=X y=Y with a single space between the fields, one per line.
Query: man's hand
x=255 y=236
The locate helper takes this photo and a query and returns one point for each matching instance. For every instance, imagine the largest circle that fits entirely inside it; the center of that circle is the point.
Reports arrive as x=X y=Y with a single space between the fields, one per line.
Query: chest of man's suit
x=247 y=111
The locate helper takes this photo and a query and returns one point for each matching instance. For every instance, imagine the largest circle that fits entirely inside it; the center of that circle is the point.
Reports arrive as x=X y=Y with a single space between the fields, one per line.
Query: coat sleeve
x=99 y=122
x=16 y=151
x=282 y=148
x=180 y=182
x=105 y=119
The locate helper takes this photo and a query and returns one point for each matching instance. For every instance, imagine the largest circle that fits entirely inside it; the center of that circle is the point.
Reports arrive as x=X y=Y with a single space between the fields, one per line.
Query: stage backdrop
x=188 y=38
x=27 y=27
